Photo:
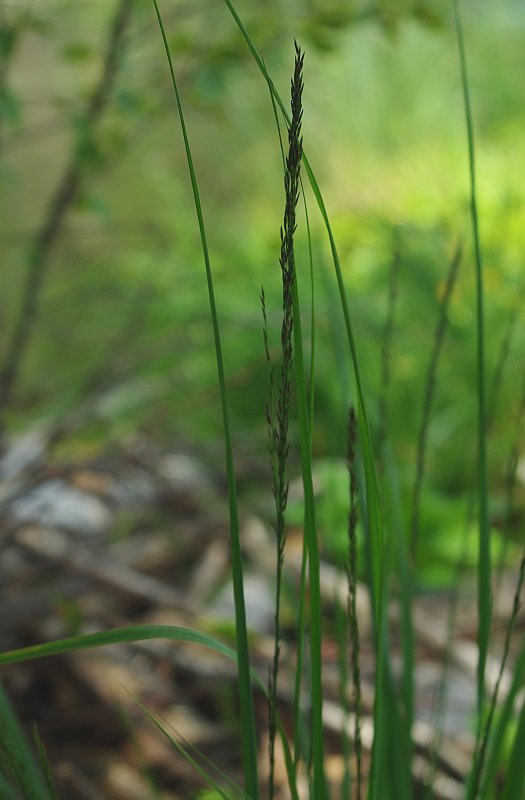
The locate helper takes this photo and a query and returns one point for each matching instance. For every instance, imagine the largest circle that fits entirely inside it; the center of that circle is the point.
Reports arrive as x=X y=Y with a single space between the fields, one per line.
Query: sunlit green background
x=124 y=293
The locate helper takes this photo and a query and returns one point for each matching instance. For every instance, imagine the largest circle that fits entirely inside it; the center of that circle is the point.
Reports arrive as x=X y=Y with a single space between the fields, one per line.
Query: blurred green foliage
x=124 y=306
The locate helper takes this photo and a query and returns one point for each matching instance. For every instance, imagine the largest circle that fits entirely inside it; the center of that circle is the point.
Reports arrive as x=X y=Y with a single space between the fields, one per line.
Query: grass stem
x=351 y=568
x=248 y=727
x=484 y=561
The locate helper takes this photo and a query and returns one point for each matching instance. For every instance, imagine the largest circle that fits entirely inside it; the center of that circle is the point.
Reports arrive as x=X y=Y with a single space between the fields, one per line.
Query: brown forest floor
x=140 y=536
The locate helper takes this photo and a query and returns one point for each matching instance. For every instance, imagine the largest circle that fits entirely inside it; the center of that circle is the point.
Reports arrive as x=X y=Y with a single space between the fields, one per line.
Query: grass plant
x=248 y=727
x=22 y=774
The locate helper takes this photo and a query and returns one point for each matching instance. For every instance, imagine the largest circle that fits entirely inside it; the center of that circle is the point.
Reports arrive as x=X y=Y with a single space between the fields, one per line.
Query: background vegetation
x=105 y=310
x=121 y=296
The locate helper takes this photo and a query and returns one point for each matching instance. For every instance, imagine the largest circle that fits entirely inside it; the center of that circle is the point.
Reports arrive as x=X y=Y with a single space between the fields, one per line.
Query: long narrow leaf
x=18 y=763
x=500 y=728
x=129 y=633
x=477 y=768
x=245 y=695
x=185 y=750
x=140 y=633
x=43 y=762
x=310 y=533
x=484 y=563
x=515 y=773
x=406 y=598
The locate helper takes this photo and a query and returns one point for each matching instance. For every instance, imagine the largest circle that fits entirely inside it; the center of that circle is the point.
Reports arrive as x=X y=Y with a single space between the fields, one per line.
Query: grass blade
x=140 y=633
x=146 y=770
x=128 y=633
x=19 y=773
x=185 y=748
x=484 y=562
x=406 y=592
x=43 y=762
x=298 y=730
x=310 y=533
x=341 y=636
x=515 y=773
x=248 y=727
x=481 y=752
x=351 y=570
x=386 y=347
x=500 y=728
x=185 y=752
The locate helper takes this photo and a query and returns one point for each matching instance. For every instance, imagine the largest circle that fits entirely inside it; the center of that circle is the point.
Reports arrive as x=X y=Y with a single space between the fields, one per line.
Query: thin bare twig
x=63 y=198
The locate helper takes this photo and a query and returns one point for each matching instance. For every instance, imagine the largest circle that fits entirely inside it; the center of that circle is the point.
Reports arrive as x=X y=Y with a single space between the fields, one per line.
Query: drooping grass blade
x=140 y=633
x=248 y=728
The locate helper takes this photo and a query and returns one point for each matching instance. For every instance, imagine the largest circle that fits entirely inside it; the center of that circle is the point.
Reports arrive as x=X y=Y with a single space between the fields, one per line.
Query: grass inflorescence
x=278 y=419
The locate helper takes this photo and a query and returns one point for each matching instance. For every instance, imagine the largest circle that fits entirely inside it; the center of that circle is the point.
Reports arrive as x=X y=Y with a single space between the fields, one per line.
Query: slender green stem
x=386 y=349
x=298 y=734
x=43 y=762
x=194 y=756
x=502 y=725
x=482 y=750
x=310 y=533
x=248 y=726
x=312 y=316
x=351 y=568
x=341 y=635
x=484 y=562
x=20 y=775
